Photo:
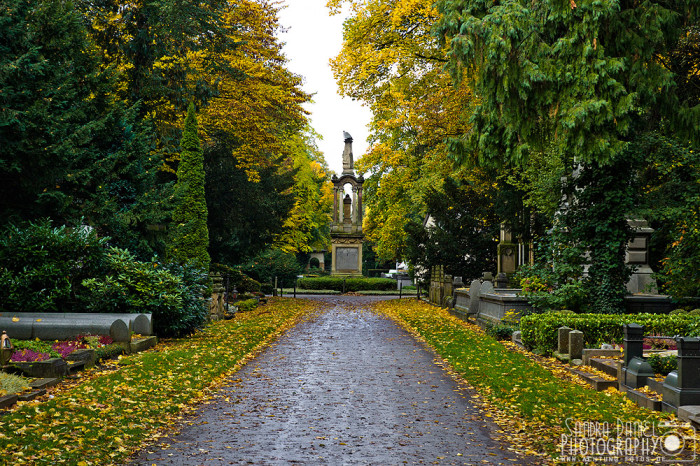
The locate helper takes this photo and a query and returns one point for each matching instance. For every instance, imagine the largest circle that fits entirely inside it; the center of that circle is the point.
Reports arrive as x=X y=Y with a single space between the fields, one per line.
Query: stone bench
x=64 y=326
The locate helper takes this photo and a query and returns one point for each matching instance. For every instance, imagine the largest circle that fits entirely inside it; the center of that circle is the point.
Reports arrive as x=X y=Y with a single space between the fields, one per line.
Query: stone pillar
x=335 y=204
x=359 y=205
x=682 y=386
x=688 y=363
x=563 y=340
x=354 y=206
x=633 y=343
x=575 y=345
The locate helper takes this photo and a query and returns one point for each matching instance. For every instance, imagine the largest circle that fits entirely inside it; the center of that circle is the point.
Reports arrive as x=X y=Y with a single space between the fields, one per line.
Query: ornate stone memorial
x=346 y=224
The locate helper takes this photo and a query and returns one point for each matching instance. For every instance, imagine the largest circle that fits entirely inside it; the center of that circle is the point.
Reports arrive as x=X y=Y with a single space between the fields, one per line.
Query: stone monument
x=346 y=224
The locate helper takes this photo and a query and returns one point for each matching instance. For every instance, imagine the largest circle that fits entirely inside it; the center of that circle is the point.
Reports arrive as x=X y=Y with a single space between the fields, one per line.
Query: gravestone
x=563 y=340
x=474 y=296
x=575 y=345
x=486 y=287
x=347 y=258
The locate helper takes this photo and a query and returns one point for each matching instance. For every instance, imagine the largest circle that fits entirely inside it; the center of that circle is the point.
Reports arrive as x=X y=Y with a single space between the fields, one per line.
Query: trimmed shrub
x=540 y=330
x=351 y=284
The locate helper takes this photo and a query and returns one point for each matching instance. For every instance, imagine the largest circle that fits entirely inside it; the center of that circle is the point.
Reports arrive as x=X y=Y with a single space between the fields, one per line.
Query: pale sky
x=312 y=39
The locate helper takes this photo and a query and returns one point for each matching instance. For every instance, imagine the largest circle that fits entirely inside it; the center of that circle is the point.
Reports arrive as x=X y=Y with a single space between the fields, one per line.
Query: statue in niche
x=348 y=164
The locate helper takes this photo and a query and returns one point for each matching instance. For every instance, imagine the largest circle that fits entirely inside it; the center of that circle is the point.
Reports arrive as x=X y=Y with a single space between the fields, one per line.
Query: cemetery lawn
x=529 y=397
x=109 y=415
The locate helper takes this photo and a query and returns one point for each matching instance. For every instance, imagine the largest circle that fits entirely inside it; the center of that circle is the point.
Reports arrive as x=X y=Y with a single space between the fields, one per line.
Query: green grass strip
x=107 y=417
x=512 y=382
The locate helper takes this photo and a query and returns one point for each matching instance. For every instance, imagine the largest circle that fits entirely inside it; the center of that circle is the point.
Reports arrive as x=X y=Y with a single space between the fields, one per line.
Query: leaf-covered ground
x=109 y=415
x=530 y=397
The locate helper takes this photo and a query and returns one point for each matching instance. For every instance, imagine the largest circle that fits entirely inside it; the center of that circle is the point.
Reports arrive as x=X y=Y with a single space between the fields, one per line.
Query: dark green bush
x=42 y=266
x=266 y=288
x=172 y=293
x=663 y=364
x=540 y=330
x=351 y=284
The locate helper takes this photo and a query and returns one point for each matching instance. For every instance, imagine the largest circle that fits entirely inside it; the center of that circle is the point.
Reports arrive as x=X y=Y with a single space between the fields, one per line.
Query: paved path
x=349 y=387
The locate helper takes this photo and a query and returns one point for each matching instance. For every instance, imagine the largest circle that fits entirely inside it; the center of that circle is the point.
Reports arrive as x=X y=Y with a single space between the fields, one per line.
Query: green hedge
x=351 y=284
x=540 y=330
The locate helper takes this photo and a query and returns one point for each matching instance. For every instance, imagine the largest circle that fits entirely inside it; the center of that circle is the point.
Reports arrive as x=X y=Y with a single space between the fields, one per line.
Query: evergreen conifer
x=190 y=235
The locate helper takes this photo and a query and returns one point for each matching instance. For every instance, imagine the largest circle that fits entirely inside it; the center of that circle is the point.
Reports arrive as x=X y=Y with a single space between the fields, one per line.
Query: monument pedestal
x=347 y=256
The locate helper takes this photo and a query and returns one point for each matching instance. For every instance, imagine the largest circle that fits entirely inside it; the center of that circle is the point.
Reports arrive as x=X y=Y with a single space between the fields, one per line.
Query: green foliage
x=351 y=284
x=247 y=305
x=589 y=70
x=10 y=384
x=542 y=291
x=274 y=263
x=248 y=214
x=592 y=228
x=540 y=330
x=663 y=364
x=190 y=235
x=70 y=149
x=307 y=225
x=172 y=293
x=154 y=44
x=42 y=266
x=463 y=238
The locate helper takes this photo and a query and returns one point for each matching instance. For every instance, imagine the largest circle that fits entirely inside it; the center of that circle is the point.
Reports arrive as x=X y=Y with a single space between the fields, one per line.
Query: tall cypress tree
x=189 y=234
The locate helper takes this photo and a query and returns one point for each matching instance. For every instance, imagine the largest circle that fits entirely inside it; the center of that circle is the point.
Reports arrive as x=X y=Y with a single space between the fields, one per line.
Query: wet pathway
x=349 y=387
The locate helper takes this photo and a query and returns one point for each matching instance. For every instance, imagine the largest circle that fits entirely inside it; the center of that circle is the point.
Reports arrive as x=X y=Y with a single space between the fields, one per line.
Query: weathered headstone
x=486 y=287
x=474 y=296
x=575 y=345
x=563 y=340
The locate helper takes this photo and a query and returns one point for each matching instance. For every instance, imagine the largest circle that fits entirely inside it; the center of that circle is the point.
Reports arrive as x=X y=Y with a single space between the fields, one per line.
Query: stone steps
x=608 y=366
x=597 y=383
